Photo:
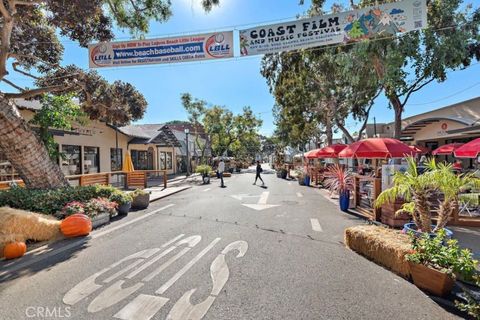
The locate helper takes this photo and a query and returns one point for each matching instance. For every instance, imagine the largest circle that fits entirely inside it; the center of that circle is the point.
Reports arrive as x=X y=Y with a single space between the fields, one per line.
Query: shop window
x=169 y=164
x=91 y=159
x=116 y=159
x=72 y=162
x=162 y=157
x=140 y=159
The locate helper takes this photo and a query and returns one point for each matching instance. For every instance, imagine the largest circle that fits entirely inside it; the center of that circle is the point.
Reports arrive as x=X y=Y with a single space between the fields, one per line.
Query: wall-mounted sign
x=351 y=26
x=444 y=126
x=208 y=46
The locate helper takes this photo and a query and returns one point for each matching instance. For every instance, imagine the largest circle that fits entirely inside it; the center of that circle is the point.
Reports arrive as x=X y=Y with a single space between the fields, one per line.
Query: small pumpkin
x=76 y=225
x=14 y=250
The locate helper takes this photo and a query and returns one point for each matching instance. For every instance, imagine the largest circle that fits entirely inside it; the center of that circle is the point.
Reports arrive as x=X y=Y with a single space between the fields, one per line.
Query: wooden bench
x=5 y=185
x=96 y=178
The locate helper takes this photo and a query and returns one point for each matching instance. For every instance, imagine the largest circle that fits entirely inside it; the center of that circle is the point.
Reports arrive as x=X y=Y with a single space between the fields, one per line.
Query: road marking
x=299 y=194
x=143 y=307
x=102 y=233
x=173 y=240
x=262 y=203
x=316 y=225
x=185 y=268
x=208 y=189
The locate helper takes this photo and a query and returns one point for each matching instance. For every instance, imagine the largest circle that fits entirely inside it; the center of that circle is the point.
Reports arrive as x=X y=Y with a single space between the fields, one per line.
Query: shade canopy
x=311 y=154
x=377 y=148
x=330 y=151
x=128 y=164
x=419 y=149
x=468 y=150
x=446 y=149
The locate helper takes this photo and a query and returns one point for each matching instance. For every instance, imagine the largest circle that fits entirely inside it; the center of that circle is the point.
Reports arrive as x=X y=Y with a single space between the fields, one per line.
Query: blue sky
x=237 y=82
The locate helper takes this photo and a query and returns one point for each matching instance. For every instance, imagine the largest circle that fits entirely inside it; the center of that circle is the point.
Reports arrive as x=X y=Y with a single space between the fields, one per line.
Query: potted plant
x=435 y=262
x=100 y=210
x=70 y=208
x=340 y=181
x=204 y=170
x=141 y=199
x=300 y=177
x=283 y=173
x=417 y=188
x=123 y=201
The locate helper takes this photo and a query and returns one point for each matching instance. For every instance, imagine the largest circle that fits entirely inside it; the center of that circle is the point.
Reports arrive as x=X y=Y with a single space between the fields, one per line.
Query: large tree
x=30 y=45
x=406 y=64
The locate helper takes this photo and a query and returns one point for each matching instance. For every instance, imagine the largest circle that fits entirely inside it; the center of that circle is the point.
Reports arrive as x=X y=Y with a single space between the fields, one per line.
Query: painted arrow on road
x=262 y=203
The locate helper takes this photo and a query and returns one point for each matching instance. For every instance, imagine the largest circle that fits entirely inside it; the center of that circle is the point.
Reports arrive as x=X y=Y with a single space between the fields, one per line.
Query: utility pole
x=187 y=131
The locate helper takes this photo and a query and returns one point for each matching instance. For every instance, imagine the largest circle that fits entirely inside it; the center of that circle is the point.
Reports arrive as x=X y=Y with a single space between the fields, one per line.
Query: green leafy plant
x=121 y=198
x=51 y=201
x=203 y=170
x=100 y=205
x=442 y=254
x=71 y=208
x=138 y=192
x=471 y=305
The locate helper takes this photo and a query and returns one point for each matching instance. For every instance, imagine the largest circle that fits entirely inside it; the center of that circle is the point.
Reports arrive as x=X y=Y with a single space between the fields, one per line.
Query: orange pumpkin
x=76 y=225
x=14 y=250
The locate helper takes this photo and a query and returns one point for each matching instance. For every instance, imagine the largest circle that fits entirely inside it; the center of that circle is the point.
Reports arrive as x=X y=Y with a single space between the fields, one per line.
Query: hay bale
x=384 y=246
x=20 y=225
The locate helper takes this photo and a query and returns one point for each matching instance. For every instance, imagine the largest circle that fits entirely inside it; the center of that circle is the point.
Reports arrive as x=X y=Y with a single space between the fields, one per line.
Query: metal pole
x=188 y=157
x=374 y=127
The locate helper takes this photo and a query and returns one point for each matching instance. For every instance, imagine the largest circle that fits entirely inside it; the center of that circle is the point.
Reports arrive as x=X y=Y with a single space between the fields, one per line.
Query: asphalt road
x=243 y=252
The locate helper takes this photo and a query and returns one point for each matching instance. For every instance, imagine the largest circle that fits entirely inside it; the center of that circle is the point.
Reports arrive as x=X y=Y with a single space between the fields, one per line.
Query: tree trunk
x=398 y=109
x=25 y=151
x=329 y=131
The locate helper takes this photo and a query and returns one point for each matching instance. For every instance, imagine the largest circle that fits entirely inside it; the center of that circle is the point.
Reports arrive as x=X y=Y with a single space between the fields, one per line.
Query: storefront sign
x=351 y=26
x=208 y=46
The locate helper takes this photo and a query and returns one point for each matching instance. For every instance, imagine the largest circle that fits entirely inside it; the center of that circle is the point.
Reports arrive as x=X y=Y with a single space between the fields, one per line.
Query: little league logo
x=101 y=56
x=217 y=47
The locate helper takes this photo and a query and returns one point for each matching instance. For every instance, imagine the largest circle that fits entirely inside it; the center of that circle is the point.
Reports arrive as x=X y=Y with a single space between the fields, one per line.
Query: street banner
x=217 y=45
x=345 y=27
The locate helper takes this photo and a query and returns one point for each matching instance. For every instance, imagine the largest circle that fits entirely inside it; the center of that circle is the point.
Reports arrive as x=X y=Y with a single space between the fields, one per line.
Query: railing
x=136 y=179
x=366 y=191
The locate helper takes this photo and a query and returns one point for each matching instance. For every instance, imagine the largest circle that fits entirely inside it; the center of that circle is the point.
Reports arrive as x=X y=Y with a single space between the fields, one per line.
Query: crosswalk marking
x=316 y=225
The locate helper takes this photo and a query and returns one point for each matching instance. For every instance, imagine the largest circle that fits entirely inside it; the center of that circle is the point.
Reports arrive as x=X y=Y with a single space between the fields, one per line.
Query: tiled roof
x=158 y=134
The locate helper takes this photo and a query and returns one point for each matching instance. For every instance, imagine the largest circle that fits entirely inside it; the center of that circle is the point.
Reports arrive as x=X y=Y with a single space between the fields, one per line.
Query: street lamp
x=187 y=131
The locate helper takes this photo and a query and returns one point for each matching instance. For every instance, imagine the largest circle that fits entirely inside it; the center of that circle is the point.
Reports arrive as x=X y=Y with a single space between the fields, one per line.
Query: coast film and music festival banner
x=345 y=27
x=217 y=45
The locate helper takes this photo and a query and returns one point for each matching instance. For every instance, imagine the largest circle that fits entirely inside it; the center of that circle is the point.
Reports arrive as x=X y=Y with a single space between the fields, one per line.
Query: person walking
x=257 y=176
x=221 y=169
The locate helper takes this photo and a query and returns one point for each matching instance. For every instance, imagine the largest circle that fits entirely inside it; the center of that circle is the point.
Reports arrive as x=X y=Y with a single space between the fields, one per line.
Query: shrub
x=203 y=169
x=441 y=254
x=51 y=201
x=121 y=198
x=100 y=205
x=71 y=208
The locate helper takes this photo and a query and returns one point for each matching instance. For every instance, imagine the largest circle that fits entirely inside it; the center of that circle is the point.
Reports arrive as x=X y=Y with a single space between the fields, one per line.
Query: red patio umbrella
x=311 y=154
x=468 y=150
x=377 y=148
x=420 y=149
x=330 y=151
x=446 y=149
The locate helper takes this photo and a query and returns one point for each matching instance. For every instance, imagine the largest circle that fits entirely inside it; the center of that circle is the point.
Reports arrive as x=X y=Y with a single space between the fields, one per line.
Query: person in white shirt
x=221 y=169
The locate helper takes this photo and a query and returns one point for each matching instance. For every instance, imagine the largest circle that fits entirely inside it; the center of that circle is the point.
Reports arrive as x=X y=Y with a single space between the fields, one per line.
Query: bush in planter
x=204 y=170
x=71 y=208
x=141 y=199
x=97 y=206
x=123 y=201
x=340 y=181
x=435 y=262
x=51 y=201
x=471 y=305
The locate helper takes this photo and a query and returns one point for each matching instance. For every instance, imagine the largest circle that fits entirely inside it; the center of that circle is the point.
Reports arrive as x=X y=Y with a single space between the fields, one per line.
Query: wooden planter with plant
x=435 y=262
x=417 y=189
x=204 y=171
x=340 y=181
x=141 y=199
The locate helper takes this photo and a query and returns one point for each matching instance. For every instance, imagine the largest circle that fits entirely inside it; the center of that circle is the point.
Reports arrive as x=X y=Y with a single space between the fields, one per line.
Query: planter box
x=100 y=219
x=124 y=209
x=227 y=174
x=391 y=219
x=141 y=202
x=431 y=280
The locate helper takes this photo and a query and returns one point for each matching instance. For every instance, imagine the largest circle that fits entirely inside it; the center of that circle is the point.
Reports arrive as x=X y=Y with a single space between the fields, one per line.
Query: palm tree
x=415 y=189
x=450 y=185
